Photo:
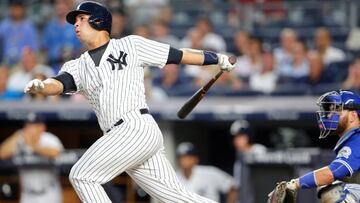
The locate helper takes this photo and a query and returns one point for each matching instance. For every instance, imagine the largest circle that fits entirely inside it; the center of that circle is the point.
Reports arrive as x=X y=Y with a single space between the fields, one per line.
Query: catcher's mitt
x=282 y=194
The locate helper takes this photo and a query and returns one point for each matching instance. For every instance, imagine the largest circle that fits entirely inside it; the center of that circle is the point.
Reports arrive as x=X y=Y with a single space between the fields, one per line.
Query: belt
x=119 y=122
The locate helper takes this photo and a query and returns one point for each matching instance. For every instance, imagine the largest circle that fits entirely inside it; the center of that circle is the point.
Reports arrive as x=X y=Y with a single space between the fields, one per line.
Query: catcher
x=339 y=181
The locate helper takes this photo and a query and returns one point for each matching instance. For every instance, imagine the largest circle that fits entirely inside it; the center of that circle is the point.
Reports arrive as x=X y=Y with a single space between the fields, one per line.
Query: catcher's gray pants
x=136 y=147
x=340 y=193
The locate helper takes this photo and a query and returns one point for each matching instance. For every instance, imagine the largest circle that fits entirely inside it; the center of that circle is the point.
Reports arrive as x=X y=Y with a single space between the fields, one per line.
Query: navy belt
x=119 y=122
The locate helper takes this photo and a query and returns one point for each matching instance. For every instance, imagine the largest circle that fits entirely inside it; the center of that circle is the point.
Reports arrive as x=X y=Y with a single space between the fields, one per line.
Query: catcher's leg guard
x=335 y=193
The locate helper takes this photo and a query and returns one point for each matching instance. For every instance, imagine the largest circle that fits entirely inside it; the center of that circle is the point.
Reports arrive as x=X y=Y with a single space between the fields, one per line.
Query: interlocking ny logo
x=121 y=60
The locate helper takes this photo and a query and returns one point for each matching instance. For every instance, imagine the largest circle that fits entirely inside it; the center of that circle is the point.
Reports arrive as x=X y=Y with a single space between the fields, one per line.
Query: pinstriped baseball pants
x=136 y=147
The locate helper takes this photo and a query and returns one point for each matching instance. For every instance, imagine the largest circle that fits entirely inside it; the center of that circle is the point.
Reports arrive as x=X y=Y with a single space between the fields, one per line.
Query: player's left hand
x=293 y=184
x=284 y=192
x=224 y=62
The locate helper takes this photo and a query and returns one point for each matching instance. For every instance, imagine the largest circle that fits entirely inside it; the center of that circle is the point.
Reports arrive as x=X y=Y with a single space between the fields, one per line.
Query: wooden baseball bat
x=195 y=98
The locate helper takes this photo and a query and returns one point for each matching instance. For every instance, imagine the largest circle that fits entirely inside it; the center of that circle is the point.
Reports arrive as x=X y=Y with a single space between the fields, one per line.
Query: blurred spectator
x=207 y=181
x=40 y=183
x=211 y=40
x=353 y=40
x=284 y=54
x=18 y=80
x=323 y=45
x=193 y=39
x=316 y=67
x=170 y=78
x=17 y=32
x=353 y=78
x=4 y=74
x=298 y=68
x=244 y=145
x=153 y=92
x=242 y=15
x=160 y=33
x=242 y=43
x=144 y=11
x=59 y=39
x=227 y=81
x=207 y=39
x=265 y=79
x=5 y=94
x=119 y=27
x=142 y=30
x=250 y=62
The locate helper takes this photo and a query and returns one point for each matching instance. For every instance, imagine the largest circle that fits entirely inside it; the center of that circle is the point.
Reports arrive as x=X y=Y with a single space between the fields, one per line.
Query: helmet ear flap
x=96 y=23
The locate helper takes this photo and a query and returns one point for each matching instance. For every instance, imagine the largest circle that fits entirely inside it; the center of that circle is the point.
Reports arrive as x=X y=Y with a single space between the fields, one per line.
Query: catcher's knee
x=335 y=193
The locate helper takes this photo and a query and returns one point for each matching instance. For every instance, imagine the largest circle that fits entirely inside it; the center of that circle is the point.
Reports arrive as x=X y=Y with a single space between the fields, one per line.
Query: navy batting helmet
x=100 y=16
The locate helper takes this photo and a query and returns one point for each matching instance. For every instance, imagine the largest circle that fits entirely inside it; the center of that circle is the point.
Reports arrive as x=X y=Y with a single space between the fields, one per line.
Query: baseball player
x=39 y=183
x=244 y=144
x=111 y=75
x=339 y=181
x=207 y=181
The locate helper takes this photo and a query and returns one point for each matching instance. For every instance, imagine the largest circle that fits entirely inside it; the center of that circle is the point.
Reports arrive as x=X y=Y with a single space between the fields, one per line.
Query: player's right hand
x=34 y=86
x=225 y=63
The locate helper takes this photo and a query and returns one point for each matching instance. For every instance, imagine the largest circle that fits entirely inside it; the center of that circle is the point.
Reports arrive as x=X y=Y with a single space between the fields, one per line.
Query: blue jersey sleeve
x=349 y=155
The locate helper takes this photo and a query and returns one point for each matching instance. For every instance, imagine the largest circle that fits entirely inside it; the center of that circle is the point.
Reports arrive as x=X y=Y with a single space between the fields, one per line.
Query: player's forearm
x=8 y=147
x=52 y=87
x=322 y=176
x=232 y=195
x=199 y=57
x=47 y=152
x=192 y=57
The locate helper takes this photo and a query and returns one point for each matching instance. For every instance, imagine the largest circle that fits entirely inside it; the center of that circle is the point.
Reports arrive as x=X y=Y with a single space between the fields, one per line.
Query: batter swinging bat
x=195 y=98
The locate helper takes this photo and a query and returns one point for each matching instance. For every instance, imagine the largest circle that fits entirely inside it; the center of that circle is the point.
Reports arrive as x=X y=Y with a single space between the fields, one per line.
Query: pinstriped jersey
x=116 y=85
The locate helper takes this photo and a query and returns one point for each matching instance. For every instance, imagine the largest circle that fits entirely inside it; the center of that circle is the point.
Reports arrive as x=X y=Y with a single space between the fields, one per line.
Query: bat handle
x=211 y=82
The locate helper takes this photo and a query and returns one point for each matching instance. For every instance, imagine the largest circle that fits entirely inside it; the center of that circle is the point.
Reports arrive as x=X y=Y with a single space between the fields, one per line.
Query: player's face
x=186 y=162
x=83 y=30
x=343 y=123
x=34 y=129
x=241 y=142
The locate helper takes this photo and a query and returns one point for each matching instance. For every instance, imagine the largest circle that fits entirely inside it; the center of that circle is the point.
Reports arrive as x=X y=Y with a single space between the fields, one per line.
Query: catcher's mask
x=331 y=104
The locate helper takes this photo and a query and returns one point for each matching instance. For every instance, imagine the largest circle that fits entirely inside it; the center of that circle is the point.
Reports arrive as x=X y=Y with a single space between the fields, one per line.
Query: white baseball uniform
x=132 y=141
x=208 y=181
x=39 y=183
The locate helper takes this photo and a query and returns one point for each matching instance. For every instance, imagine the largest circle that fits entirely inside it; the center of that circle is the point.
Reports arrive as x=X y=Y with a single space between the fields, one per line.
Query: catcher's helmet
x=100 y=16
x=331 y=104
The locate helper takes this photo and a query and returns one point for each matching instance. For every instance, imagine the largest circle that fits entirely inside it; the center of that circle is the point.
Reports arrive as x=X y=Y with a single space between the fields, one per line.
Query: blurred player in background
x=243 y=143
x=340 y=180
x=39 y=184
x=207 y=181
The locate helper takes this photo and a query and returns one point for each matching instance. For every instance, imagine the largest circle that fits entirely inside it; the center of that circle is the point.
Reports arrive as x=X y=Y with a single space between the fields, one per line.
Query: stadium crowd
x=300 y=58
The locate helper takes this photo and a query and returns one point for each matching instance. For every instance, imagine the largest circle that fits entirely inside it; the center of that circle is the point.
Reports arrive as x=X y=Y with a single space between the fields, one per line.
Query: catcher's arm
x=287 y=191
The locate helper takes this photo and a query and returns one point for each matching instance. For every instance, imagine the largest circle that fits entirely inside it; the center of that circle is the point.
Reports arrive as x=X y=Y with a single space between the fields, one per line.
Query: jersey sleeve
x=71 y=67
x=149 y=52
x=349 y=157
x=51 y=141
x=224 y=181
